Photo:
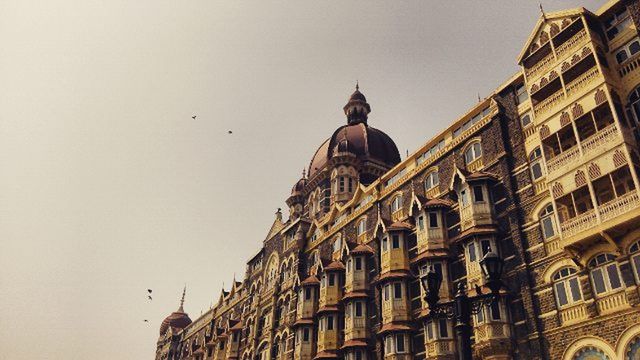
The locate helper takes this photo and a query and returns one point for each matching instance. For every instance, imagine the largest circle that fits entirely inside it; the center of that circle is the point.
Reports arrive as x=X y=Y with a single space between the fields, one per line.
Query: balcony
x=573 y=314
x=582 y=81
x=573 y=43
x=474 y=273
x=430 y=238
x=398 y=215
x=491 y=330
x=540 y=67
x=474 y=214
x=355 y=328
x=394 y=310
x=579 y=223
x=444 y=348
x=612 y=303
x=549 y=103
x=619 y=206
x=571 y=158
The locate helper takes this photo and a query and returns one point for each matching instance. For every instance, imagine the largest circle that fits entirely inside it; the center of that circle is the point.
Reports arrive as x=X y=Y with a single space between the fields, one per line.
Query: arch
x=534 y=215
x=473 y=150
x=602 y=248
x=361 y=225
x=629 y=336
x=588 y=342
x=554 y=267
x=271 y=269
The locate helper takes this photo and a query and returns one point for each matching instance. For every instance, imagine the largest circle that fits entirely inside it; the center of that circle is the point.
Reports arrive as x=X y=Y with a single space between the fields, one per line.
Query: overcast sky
x=108 y=187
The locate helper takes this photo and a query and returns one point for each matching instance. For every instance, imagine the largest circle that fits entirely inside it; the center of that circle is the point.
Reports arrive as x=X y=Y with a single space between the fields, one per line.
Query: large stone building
x=543 y=171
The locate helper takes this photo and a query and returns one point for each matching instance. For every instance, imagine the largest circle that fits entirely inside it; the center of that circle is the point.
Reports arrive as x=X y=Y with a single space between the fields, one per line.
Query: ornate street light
x=462 y=306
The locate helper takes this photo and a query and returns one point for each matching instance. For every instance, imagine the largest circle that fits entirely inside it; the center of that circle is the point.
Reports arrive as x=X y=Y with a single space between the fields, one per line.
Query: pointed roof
x=542 y=20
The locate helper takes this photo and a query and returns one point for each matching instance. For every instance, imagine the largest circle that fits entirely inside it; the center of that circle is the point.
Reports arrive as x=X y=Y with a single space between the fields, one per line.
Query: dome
x=298 y=188
x=178 y=319
x=361 y=140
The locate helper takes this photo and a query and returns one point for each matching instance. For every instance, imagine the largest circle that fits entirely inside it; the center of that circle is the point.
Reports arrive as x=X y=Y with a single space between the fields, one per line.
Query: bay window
x=605 y=274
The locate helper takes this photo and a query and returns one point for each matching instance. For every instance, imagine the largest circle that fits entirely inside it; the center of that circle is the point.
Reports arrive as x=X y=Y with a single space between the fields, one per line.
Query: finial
x=357 y=85
x=304 y=173
x=479 y=97
x=544 y=16
x=184 y=291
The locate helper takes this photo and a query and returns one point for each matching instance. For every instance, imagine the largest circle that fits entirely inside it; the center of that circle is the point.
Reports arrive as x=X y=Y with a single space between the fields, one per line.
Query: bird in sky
x=193 y=117
x=145 y=320
x=149 y=291
x=150 y=298
x=230 y=132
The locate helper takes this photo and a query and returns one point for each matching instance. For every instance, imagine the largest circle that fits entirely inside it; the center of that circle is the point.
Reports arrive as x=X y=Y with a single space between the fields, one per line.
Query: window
x=397 y=290
x=433 y=220
x=634 y=250
x=616 y=23
x=307 y=293
x=547 y=222
x=464 y=197
x=396 y=203
x=387 y=290
x=526 y=120
x=521 y=94
x=437 y=329
x=332 y=279
x=330 y=322
x=567 y=287
x=341 y=188
x=350 y=185
x=431 y=180
x=495 y=310
x=476 y=250
x=478 y=194
x=628 y=50
x=362 y=226
x=395 y=241
x=385 y=244
x=535 y=163
x=605 y=274
x=400 y=343
x=358 y=263
x=358 y=309
x=305 y=334
x=473 y=152
x=471 y=252
x=421 y=222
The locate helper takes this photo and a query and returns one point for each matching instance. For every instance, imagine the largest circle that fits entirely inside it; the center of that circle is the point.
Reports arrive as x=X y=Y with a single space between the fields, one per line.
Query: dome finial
x=357 y=85
x=184 y=291
x=357 y=109
x=304 y=173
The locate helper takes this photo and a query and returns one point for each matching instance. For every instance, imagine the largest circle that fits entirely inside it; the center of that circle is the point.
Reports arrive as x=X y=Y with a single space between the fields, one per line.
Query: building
x=543 y=171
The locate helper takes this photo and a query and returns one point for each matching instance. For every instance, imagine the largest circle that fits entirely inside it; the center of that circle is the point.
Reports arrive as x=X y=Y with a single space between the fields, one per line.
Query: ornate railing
x=613 y=302
x=582 y=81
x=440 y=347
x=568 y=45
x=573 y=314
x=619 y=205
x=539 y=67
x=599 y=139
x=548 y=103
x=579 y=223
x=552 y=246
x=491 y=330
x=560 y=161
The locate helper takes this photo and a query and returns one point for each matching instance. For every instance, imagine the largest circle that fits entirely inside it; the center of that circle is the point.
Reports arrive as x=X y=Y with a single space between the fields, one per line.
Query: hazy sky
x=108 y=186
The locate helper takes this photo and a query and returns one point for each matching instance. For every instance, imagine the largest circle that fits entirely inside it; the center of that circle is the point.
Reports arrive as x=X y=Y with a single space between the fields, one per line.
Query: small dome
x=357 y=95
x=178 y=319
x=298 y=188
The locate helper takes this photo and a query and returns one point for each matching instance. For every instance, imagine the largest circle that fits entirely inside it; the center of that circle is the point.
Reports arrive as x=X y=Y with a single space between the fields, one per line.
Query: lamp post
x=463 y=306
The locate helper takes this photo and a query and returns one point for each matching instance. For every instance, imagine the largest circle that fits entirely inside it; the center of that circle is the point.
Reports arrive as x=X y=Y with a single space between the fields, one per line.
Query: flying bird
x=193 y=117
x=149 y=291
x=150 y=298
x=230 y=132
x=145 y=320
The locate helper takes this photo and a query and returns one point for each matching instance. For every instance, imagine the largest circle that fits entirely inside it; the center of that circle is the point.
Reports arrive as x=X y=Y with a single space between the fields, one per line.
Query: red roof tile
x=311 y=280
x=394 y=275
x=355 y=295
x=394 y=327
x=354 y=343
x=335 y=266
x=326 y=355
x=362 y=249
x=328 y=308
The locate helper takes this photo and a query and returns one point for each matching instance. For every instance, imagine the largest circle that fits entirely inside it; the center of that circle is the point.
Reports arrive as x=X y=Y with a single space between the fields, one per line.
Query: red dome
x=178 y=319
x=363 y=141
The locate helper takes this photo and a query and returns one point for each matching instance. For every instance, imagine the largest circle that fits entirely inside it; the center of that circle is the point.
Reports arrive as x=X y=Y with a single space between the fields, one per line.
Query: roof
x=355 y=295
x=328 y=308
x=399 y=226
x=362 y=249
x=394 y=327
x=311 y=280
x=354 y=343
x=398 y=274
x=476 y=230
x=303 y=322
x=326 y=354
x=431 y=254
x=335 y=266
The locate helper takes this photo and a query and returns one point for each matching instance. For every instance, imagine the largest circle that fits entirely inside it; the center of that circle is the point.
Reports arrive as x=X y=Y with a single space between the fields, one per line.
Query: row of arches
x=594 y=348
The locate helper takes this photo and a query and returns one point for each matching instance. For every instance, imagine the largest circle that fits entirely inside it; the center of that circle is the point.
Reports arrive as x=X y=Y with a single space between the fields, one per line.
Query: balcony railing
x=599 y=139
x=582 y=81
x=492 y=330
x=548 y=103
x=560 y=161
x=573 y=314
x=552 y=246
x=612 y=303
x=579 y=223
x=540 y=67
x=572 y=43
x=440 y=347
x=619 y=205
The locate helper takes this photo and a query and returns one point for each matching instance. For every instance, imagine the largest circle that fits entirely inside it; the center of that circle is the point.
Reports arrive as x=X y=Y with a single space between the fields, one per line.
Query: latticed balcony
x=440 y=349
x=612 y=303
x=492 y=330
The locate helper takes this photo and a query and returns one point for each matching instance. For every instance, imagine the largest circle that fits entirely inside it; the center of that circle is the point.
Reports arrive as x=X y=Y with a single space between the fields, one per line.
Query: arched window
x=590 y=353
x=473 y=152
x=396 y=203
x=633 y=349
x=567 y=287
x=535 y=163
x=547 y=222
x=431 y=181
x=634 y=250
x=362 y=226
x=605 y=274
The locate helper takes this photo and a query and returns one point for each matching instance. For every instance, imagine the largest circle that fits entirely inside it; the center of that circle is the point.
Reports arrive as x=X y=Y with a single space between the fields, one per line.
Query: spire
x=544 y=16
x=357 y=85
x=184 y=291
x=304 y=173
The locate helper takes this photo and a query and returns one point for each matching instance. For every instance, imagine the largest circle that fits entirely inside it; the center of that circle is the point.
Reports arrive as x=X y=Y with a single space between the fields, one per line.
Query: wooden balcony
x=582 y=81
x=612 y=303
x=579 y=223
x=327 y=340
x=303 y=350
x=549 y=103
x=539 y=68
x=619 y=206
x=474 y=274
x=395 y=310
x=398 y=215
x=355 y=328
x=572 y=44
x=476 y=213
x=444 y=348
x=430 y=238
x=492 y=330
x=573 y=314
x=329 y=295
x=405 y=356
x=356 y=280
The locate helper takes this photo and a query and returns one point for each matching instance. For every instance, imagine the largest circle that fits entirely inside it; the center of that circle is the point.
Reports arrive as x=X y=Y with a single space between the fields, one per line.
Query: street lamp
x=462 y=306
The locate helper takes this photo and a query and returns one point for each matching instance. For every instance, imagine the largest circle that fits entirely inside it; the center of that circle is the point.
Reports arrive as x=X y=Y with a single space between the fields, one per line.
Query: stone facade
x=544 y=172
